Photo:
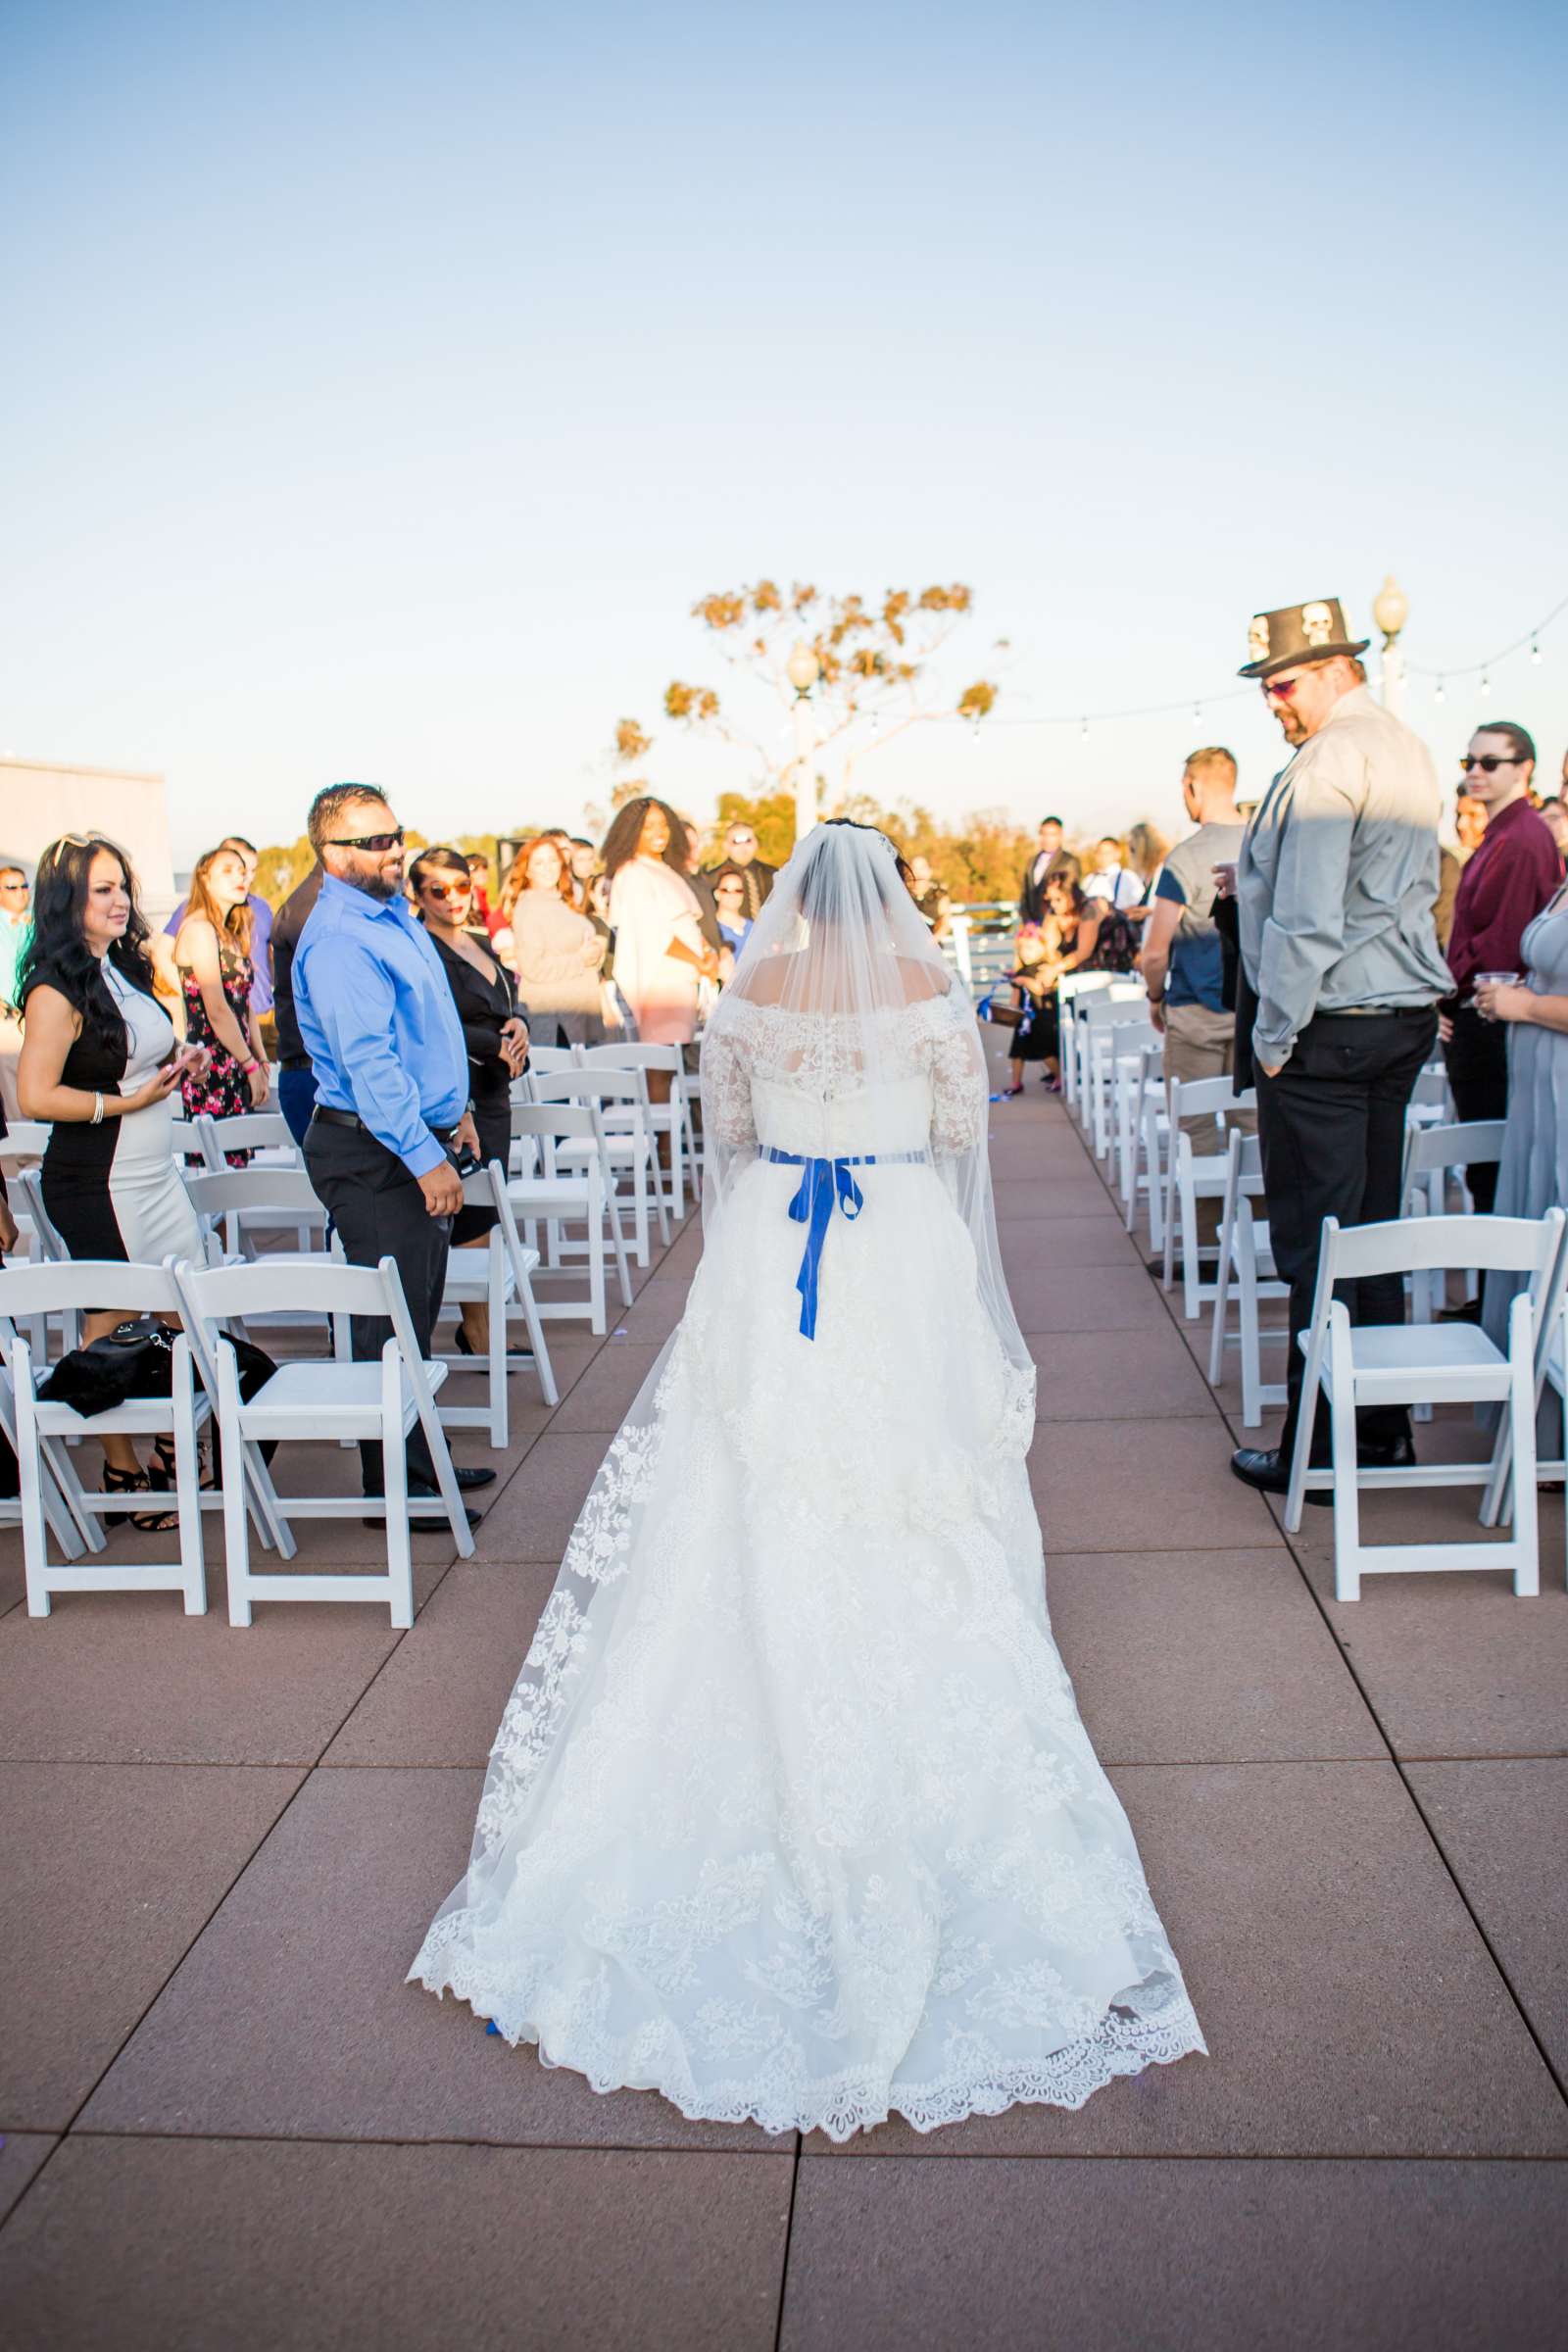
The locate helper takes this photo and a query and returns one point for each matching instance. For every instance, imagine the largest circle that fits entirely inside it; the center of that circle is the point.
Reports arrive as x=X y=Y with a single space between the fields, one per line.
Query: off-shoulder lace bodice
x=799 y=1081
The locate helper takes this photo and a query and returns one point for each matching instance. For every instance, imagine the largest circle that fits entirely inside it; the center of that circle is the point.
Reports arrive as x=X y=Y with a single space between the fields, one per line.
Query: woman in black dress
x=1068 y=939
x=493 y=1029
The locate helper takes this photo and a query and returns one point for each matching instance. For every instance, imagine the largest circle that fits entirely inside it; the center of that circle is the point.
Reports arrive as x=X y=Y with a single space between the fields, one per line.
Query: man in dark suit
x=1032 y=894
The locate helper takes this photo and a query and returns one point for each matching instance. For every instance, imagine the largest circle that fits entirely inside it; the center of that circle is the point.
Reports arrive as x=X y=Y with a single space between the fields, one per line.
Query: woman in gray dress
x=1534 y=1174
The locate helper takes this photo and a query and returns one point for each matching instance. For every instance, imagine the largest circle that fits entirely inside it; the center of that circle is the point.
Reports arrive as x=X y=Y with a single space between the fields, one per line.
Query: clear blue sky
x=384 y=383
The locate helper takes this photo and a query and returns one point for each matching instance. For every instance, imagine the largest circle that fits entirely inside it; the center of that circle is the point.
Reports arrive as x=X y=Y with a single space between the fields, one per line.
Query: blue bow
x=822 y=1181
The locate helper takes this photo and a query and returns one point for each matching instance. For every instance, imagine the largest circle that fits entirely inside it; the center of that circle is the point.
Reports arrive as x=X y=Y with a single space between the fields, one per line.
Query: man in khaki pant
x=1182 y=962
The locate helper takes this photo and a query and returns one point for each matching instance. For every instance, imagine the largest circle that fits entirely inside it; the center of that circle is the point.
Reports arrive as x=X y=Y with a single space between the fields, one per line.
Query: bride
x=791 y=1816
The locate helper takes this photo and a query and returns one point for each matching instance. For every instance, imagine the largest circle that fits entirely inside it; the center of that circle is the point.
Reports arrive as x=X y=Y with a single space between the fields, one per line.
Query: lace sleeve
x=960 y=1087
x=726 y=1087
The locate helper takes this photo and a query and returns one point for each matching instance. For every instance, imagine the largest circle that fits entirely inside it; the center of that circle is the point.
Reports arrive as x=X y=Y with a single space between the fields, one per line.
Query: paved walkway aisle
x=228 y=2124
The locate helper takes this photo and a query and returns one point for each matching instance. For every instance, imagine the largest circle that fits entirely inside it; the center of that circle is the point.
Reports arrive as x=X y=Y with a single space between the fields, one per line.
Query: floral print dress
x=224 y=1092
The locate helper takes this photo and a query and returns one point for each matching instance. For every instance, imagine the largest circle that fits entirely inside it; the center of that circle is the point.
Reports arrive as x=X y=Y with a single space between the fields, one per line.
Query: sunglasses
x=1489 y=762
x=22 y=886
x=1279 y=690
x=447 y=890
x=366 y=841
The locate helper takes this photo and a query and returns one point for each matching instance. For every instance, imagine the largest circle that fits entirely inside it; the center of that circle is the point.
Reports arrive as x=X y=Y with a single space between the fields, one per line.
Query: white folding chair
x=1069 y=989
x=1192 y=1176
x=624 y=1140
x=673 y=1118
x=58 y=1519
x=1131 y=1043
x=24 y=1145
x=237 y=1203
x=1432 y=1148
x=1095 y=1016
x=1447 y=1363
x=45 y=1432
x=498 y=1275
x=1142 y=1089
x=1246 y=1258
x=264 y=1132
x=543 y=1195
x=316 y=1401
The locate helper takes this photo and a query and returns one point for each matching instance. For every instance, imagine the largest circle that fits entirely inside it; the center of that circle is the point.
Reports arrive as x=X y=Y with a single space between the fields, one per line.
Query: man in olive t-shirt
x=1183 y=967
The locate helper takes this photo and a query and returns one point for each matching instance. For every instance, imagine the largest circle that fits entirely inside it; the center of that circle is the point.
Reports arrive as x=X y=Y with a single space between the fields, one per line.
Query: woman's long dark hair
x=57 y=950
x=621 y=842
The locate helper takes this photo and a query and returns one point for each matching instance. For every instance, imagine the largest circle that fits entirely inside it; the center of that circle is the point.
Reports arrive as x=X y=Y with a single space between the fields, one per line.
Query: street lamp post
x=1391 y=609
x=803 y=669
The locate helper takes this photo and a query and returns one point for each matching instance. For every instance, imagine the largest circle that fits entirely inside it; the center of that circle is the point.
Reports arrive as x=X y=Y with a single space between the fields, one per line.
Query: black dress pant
x=1477 y=1056
x=1332 y=1130
x=379 y=1212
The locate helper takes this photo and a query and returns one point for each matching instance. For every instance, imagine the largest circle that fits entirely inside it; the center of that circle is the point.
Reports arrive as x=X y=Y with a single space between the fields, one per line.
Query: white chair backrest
x=1073 y=985
x=578 y=1085
x=246 y=1131
x=287 y=1190
x=542 y=1058
x=30 y=1184
x=1103 y=1010
x=630 y=1057
x=24 y=1139
x=1418 y=1245
x=1199 y=1098
x=551 y=1119
x=326 y=1286
x=1471 y=1142
x=77 y=1285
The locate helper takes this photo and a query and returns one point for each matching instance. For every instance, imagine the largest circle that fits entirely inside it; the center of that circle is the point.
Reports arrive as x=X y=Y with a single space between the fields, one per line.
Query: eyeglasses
x=447 y=890
x=1279 y=690
x=1489 y=762
x=366 y=841
x=24 y=887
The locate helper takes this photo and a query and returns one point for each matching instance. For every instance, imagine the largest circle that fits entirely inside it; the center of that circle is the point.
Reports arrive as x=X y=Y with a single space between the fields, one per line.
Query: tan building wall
x=39 y=799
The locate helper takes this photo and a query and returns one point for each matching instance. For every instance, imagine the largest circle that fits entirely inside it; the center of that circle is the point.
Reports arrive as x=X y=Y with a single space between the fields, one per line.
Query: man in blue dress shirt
x=376 y=1018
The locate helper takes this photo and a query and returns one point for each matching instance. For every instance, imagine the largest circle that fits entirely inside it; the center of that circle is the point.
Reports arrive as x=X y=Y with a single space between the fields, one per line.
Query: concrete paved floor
x=227 y=2123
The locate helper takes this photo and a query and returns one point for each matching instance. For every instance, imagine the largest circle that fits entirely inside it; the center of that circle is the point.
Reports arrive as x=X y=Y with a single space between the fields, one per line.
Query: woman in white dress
x=661 y=954
x=791 y=1816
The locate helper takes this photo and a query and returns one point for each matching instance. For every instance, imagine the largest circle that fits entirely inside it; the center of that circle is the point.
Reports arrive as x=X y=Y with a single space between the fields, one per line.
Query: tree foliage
x=979 y=857
x=878 y=674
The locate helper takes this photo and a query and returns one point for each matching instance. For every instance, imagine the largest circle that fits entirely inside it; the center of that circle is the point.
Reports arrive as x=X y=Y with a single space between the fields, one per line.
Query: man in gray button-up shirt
x=1336 y=885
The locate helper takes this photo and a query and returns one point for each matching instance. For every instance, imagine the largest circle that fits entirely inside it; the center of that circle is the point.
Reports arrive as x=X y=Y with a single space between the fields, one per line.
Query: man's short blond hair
x=1212 y=761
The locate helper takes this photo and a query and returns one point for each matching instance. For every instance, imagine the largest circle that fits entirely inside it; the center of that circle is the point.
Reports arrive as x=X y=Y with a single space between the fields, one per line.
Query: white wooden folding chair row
x=44 y=1432
x=546 y=1196
x=319 y=1400
x=623 y=1138
x=1247 y=1265
x=1192 y=1176
x=500 y=1275
x=1070 y=990
x=1432 y=1153
x=1445 y=1364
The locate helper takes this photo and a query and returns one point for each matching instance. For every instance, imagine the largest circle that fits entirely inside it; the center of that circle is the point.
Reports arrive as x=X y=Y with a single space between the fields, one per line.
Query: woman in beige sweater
x=555 y=951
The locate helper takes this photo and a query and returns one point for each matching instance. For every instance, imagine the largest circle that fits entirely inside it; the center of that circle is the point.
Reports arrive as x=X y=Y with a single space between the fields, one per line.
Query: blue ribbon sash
x=823 y=1181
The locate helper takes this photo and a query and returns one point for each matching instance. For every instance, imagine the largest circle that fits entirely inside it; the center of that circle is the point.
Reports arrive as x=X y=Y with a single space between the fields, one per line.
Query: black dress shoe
x=467 y=1481
x=1269 y=1468
x=424 y=1523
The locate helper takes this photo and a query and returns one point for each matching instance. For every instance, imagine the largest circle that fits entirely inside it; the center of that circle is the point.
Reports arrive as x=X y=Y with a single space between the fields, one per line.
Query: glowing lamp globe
x=803 y=669
x=1391 y=609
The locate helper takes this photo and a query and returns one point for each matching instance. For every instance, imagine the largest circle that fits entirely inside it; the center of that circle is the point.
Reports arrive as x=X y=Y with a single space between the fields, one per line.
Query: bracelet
x=248 y=1069
x=97 y=1119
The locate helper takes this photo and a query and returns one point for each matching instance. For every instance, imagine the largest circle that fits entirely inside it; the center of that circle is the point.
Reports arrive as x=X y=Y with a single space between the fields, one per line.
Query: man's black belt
x=1378 y=1013
x=351 y=1118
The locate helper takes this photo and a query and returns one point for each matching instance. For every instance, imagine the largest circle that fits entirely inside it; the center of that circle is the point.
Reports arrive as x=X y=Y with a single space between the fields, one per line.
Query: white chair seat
x=1388 y=1360
x=321 y=1397
x=137 y=1417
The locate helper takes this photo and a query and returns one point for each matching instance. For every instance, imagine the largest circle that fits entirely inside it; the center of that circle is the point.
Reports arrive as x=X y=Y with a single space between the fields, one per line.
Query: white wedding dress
x=791 y=1816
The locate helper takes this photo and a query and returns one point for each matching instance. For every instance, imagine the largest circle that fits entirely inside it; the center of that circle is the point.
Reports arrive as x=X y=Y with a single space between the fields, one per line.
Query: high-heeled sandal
x=466 y=1347
x=137 y=1482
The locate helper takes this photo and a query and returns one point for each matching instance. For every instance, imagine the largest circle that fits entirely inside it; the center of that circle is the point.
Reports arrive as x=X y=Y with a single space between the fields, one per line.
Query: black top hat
x=1297 y=633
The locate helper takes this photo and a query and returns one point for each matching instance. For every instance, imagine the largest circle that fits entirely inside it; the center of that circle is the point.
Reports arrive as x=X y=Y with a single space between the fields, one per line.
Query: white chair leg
x=497 y=1309
x=596 y=1265
x=1189 y=1245
x=395 y=1485
x=1346 y=1494
x=1222 y=1285
x=1522 y=1413
x=188 y=1482
x=236 y=1524
x=35 y=1537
